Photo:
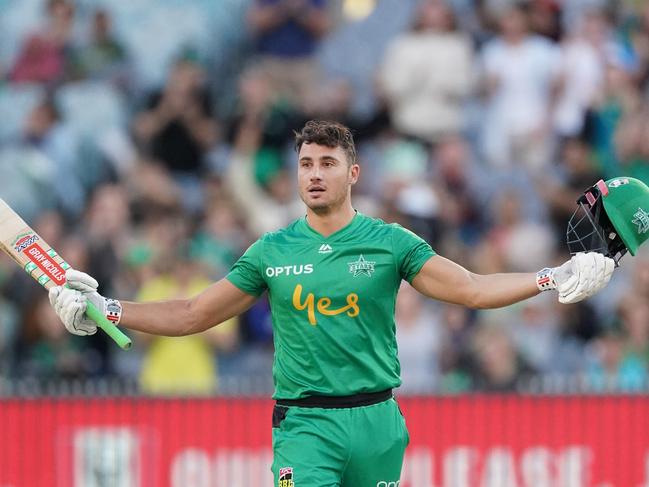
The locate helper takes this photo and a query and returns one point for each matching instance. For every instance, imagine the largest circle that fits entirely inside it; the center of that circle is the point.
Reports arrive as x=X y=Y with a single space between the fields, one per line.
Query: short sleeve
x=411 y=252
x=246 y=273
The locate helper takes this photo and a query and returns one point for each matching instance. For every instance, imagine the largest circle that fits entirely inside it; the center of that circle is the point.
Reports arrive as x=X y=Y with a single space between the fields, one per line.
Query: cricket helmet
x=612 y=218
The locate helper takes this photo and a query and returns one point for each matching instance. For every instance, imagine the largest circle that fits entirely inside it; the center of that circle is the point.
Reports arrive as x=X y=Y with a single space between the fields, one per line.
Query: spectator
x=186 y=365
x=610 y=368
x=498 y=366
x=407 y=188
x=520 y=77
x=640 y=284
x=514 y=242
x=263 y=123
x=335 y=101
x=634 y=317
x=107 y=226
x=426 y=74
x=460 y=184
x=287 y=33
x=455 y=354
x=618 y=99
x=632 y=144
x=177 y=128
x=219 y=239
x=46 y=133
x=577 y=171
x=545 y=19
x=261 y=210
x=578 y=325
x=44 y=56
x=250 y=364
x=583 y=61
x=533 y=328
x=8 y=336
x=47 y=352
x=418 y=341
x=639 y=40
x=103 y=57
x=152 y=189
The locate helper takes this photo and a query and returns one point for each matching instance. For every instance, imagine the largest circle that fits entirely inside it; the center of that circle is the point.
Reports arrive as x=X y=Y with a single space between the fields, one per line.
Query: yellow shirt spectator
x=183 y=365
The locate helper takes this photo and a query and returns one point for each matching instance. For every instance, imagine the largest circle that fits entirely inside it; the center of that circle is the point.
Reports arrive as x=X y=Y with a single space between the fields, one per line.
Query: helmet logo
x=641 y=218
x=616 y=183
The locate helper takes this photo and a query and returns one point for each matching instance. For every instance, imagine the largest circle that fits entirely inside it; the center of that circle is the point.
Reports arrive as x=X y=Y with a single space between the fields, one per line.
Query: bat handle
x=111 y=330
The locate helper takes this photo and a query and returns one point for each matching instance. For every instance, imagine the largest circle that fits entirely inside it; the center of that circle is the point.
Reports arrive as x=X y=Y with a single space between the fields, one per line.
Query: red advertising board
x=467 y=441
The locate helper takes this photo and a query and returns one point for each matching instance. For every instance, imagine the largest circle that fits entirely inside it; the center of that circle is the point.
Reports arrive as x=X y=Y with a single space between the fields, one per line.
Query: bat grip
x=111 y=330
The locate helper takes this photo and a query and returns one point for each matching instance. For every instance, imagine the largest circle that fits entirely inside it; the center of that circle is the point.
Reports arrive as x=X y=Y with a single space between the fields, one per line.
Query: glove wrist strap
x=545 y=279
x=113 y=310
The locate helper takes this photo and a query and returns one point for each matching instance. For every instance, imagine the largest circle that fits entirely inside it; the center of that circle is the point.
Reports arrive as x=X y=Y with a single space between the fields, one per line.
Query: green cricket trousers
x=351 y=441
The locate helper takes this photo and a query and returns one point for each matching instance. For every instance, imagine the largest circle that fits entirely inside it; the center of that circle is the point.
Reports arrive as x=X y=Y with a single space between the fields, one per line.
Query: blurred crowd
x=149 y=142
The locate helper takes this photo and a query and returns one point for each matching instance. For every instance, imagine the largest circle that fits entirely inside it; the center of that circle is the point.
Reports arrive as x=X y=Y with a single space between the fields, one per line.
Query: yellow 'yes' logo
x=322 y=305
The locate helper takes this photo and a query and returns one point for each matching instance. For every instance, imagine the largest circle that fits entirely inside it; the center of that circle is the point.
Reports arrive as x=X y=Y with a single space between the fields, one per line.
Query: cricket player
x=332 y=278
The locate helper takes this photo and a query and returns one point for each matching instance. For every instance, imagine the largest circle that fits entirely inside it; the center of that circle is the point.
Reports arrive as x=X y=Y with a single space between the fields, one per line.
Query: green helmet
x=612 y=218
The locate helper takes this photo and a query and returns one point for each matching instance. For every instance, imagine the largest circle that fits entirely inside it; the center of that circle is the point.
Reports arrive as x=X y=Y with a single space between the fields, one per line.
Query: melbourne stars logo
x=361 y=267
x=616 y=183
x=641 y=218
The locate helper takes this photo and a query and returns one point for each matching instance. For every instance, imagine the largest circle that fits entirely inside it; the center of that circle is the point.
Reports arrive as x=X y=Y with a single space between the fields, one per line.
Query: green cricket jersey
x=332 y=302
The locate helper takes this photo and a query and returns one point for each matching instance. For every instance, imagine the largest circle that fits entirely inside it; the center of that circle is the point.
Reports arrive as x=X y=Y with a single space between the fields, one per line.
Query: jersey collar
x=337 y=234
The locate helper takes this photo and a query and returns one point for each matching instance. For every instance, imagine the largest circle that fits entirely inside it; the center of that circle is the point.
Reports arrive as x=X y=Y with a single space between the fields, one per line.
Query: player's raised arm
x=216 y=304
x=612 y=218
x=578 y=278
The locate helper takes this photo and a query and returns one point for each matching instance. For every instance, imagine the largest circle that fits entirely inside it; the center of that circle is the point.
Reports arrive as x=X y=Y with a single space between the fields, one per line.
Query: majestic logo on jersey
x=361 y=267
x=285 y=477
x=325 y=249
x=289 y=270
x=322 y=305
x=641 y=218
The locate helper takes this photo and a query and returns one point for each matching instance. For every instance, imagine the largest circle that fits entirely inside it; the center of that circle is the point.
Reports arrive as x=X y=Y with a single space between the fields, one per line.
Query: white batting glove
x=70 y=303
x=579 y=278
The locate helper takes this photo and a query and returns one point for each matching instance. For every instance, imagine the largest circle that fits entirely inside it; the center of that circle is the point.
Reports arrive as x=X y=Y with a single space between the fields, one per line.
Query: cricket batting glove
x=70 y=303
x=579 y=278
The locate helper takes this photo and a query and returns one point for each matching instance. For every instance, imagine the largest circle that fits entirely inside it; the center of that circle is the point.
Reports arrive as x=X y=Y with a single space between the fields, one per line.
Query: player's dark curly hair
x=329 y=134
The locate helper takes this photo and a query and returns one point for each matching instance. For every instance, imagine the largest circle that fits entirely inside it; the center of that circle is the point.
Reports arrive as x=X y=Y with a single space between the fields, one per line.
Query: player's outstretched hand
x=70 y=303
x=578 y=278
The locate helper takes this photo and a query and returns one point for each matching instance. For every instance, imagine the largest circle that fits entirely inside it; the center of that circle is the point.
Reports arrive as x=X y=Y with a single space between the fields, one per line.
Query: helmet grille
x=590 y=230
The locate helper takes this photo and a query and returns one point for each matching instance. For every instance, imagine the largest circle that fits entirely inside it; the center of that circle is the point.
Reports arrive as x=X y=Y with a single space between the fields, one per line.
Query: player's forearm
x=444 y=280
x=498 y=290
x=216 y=304
x=166 y=318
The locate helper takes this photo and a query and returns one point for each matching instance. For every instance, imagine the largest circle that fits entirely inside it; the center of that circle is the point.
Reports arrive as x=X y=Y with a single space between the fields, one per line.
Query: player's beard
x=327 y=205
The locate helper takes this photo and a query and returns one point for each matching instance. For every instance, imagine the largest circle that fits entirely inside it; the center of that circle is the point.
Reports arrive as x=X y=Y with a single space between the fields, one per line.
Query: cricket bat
x=42 y=262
